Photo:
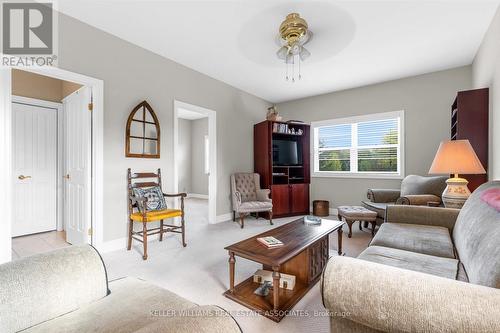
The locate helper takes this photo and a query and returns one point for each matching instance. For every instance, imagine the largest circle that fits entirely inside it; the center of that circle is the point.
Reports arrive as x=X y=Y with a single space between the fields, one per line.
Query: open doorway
x=193 y=171
x=51 y=164
x=195 y=160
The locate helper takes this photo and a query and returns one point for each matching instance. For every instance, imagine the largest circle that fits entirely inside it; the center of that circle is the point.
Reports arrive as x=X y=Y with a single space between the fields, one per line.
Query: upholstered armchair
x=248 y=197
x=415 y=190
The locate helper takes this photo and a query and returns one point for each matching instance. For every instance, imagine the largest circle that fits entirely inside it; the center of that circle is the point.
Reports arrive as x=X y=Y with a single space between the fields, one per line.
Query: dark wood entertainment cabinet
x=289 y=184
x=469 y=120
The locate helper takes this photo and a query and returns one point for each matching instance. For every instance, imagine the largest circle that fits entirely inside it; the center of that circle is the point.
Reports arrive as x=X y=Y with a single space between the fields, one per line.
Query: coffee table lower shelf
x=244 y=294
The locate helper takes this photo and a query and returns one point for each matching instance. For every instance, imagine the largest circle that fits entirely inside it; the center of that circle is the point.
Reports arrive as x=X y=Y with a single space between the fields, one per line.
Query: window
x=207 y=155
x=142 y=133
x=364 y=146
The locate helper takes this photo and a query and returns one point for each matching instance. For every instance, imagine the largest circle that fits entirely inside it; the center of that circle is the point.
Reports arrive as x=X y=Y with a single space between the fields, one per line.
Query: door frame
x=212 y=135
x=97 y=179
x=58 y=107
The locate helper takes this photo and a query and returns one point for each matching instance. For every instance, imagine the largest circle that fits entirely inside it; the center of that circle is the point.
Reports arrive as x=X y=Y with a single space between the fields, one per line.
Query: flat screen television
x=286 y=152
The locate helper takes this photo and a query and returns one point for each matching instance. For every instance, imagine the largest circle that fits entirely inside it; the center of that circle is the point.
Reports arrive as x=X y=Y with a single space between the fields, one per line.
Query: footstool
x=352 y=214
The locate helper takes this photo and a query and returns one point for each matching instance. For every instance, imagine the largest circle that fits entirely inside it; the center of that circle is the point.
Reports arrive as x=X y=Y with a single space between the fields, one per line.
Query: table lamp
x=456 y=157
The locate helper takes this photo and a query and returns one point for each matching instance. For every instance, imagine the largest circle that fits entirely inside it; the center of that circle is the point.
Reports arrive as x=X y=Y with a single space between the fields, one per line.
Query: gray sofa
x=68 y=291
x=427 y=270
x=415 y=190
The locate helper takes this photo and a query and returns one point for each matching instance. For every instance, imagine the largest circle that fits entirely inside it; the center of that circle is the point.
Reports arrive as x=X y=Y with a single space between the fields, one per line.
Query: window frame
x=315 y=125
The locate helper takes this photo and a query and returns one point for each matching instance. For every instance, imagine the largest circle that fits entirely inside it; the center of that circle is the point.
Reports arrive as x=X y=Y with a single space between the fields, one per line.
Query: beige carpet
x=199 y=272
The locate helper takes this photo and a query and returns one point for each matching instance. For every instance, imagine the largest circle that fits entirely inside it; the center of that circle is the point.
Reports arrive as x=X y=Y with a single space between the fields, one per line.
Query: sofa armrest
x=50 y=284
x=418 y=199
x=383 y=195
x=263 y=195
x=434 y=216
x=390 y=299
x=203 y=319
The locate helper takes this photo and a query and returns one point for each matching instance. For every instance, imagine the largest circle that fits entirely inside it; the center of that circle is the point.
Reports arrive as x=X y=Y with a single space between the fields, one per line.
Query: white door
x=35 y=169
x=77 y=189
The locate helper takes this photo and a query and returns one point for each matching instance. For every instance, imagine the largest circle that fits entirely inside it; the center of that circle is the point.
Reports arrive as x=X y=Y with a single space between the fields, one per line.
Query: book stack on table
x=270 y=241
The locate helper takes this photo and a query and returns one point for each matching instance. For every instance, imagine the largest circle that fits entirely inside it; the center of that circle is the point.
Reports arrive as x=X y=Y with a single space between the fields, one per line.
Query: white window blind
x=367 y=145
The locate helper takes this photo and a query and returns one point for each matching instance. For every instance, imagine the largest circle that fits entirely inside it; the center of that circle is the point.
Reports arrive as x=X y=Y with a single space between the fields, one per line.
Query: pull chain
x=286 y=70
x=300 y=76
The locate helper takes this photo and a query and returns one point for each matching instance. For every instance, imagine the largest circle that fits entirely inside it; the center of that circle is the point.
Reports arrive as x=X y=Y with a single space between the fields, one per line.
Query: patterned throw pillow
x=156 y=200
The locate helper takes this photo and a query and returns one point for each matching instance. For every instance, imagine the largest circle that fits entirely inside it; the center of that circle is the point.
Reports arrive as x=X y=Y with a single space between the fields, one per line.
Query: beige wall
x=199 y=179
x=426 y=100
x=32 y=85
x=486 y=73
x=184 y=155
x=132 y=74
x=191 y=156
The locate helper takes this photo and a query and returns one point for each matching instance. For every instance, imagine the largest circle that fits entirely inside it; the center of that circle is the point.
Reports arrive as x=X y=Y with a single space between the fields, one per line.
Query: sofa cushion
x=477 y=238
x=444 y=267
x=253 y=206
x=432 y=240
x=202 y=319
x=132 y=304
x=378 y=207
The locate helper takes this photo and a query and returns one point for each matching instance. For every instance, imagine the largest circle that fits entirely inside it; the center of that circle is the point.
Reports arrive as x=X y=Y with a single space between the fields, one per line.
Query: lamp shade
x=458 y=157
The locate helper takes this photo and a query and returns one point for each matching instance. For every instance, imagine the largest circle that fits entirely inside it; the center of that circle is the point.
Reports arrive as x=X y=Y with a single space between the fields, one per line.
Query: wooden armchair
x=147 y=204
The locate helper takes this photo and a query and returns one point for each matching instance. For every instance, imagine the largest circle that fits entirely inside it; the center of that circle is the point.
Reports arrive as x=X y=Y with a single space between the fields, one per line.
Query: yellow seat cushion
x=156 y=215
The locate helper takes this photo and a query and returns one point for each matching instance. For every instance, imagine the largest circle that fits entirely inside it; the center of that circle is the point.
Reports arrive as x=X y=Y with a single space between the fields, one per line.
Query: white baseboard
x=224 y=218
x=197 y=195
x=113 y=245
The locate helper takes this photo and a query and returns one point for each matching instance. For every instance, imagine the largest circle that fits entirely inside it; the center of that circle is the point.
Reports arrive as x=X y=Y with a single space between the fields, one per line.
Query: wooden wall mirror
x=143 y=133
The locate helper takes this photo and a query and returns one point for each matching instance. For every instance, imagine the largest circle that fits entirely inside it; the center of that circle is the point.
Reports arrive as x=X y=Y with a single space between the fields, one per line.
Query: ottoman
x=352 y=214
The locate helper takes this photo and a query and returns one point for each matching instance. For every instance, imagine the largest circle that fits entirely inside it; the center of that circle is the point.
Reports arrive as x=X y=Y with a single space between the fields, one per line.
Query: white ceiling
x=355 y=42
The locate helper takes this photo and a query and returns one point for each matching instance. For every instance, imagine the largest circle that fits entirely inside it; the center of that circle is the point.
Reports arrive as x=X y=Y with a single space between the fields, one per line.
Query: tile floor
x=25 y=246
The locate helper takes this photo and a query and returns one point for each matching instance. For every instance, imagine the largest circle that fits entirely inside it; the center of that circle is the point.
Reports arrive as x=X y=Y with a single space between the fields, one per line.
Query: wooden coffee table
x=304 y=254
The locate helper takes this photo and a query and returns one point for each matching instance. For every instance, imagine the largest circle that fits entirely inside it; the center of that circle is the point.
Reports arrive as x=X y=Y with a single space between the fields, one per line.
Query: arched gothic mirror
x=142 y=133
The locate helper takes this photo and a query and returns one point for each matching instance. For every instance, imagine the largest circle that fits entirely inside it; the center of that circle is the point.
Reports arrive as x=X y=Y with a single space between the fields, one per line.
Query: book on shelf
x=270 y=241
x=280 y=128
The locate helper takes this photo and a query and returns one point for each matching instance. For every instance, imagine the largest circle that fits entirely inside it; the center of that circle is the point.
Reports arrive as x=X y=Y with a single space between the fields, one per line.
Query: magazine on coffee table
x=270 y=241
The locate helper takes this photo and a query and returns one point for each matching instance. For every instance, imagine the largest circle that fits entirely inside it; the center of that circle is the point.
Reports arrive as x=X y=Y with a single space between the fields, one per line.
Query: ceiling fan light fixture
x=282 y=52
x=304 y=54
x=293 y=34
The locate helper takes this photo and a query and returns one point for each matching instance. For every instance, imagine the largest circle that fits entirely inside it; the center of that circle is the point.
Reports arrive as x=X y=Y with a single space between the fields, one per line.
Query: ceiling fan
x=293 y=35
